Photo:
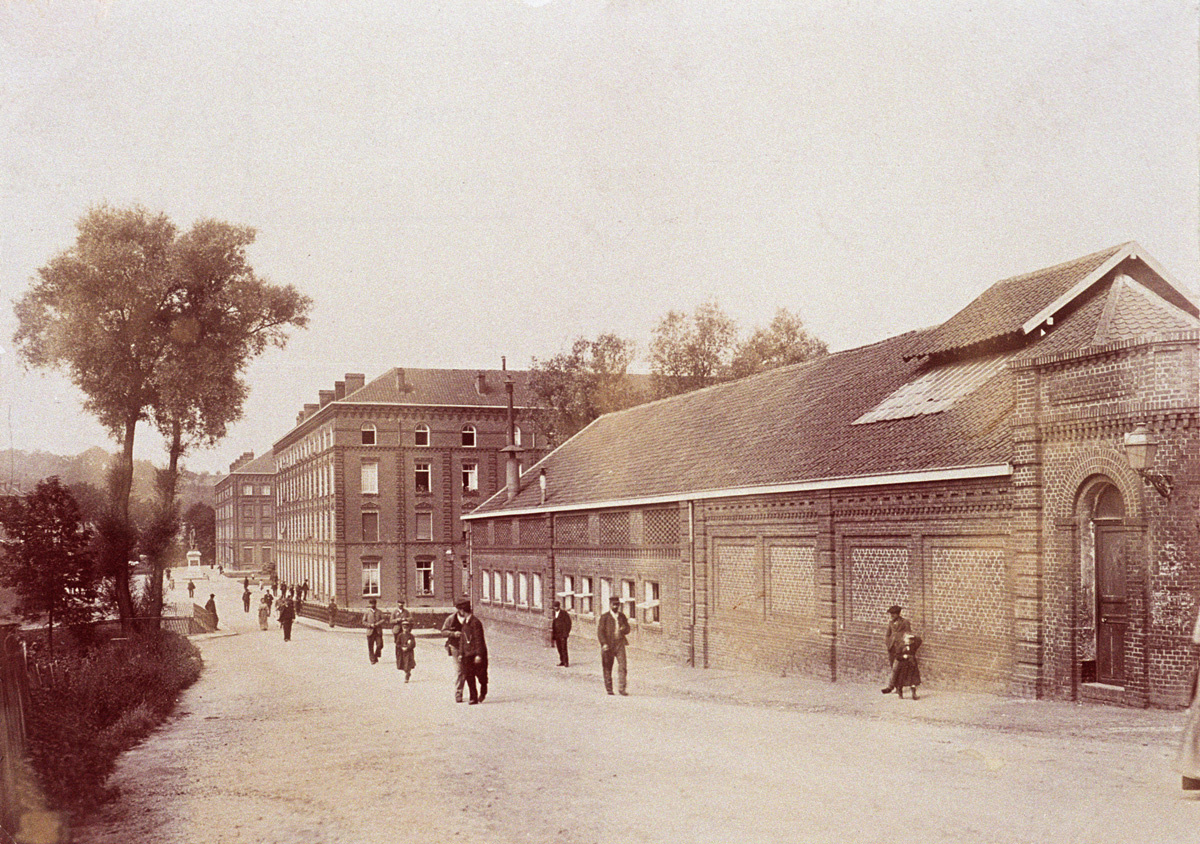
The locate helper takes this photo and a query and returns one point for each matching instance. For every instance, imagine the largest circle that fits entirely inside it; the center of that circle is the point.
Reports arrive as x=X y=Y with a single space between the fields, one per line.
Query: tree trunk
x=118 y=555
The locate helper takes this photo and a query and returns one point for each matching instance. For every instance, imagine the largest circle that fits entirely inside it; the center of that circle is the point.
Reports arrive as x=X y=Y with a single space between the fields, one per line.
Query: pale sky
x=460 y=180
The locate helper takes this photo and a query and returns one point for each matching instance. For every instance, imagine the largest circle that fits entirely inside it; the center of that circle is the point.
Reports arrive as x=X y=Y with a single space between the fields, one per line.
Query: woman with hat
x=406 y=646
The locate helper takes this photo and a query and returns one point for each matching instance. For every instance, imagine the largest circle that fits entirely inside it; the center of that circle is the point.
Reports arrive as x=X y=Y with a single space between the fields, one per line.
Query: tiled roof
x=263 y=465
x=1004 y=307
x=796 y=424
x=449 y=387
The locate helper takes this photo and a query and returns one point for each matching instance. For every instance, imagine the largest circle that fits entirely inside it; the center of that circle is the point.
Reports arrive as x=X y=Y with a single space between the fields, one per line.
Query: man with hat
x=373 y=620
x=452 y=627
x=893 y=638
x=474 y=653
x=612 y=630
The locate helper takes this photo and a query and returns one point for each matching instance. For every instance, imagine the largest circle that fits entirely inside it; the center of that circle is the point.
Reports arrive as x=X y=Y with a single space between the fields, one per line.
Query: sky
x=457 y=181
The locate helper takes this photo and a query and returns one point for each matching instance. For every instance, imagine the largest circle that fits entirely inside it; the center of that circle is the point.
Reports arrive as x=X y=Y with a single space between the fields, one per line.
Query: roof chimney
x=309 y=410
x=354 y=381
x=481 y=382
x=512 y=466
x=326 y=396
x=246 y=457
x=401 y=386
x=339 y=390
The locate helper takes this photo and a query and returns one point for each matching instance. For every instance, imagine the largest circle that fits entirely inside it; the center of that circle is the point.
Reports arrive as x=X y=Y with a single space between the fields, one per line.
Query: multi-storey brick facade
x=980 y=473
x=245 y=514
x=374 y=478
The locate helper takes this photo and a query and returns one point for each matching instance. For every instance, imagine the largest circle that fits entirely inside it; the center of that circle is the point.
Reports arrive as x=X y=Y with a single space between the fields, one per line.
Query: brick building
x=245 y=514
x=374 y=477
x=984 y=474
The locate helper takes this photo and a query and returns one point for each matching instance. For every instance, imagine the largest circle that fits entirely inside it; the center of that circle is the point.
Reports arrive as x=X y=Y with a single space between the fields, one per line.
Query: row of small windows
x=577 y=594
x=423 y=524
x=422 y=478
x=371 y=581
x=468 y=435
x=518 y=589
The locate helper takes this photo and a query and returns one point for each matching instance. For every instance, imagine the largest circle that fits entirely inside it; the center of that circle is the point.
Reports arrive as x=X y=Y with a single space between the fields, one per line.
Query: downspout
x=692 y=559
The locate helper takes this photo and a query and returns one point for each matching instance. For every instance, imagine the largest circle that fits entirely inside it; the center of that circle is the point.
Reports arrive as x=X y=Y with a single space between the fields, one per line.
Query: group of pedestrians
x=612 y=631
x=400 y=620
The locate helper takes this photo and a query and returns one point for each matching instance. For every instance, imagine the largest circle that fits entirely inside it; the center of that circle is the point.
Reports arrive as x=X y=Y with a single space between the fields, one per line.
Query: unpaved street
x=307 y=742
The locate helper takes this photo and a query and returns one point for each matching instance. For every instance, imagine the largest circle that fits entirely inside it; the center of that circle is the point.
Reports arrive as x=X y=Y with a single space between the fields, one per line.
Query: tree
x=687 y=353
x=576 y=387
x=47 y=556
x=153 y=326
x=785 y=341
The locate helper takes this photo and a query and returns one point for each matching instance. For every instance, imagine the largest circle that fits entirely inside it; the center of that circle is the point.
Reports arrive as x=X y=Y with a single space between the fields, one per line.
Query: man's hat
x=462 y=604
x=894 y=609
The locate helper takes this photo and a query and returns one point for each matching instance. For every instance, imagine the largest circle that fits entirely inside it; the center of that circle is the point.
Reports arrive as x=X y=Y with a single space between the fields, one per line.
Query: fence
x=14 y=697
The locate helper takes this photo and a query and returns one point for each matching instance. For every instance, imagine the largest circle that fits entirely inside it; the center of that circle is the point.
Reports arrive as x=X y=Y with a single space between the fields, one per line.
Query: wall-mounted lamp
x=1140 y=448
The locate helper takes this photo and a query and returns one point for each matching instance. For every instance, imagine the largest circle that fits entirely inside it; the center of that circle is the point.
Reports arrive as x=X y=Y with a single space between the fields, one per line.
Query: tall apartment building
x=374 y=478
x=245 y=514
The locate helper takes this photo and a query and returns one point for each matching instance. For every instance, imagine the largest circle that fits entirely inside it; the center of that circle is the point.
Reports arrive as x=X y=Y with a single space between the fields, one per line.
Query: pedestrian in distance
x=560 y=629
x=611 y=631
x=906 y=672
x=474 y=653
x=401 y=613
x=246 y=596
x=270 y=598
x=406 y=647
x=287 y=615
x=452 y=627
x=264 y=610
x=893 y=640
x=374 y=620
x=304 y=590
x=211 y=606
x=191 y=590
x=332 y=612
x=297 y=598
x=1188 y=760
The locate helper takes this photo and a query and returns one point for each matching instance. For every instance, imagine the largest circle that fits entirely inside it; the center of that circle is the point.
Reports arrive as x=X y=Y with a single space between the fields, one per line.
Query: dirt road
x=307 y=742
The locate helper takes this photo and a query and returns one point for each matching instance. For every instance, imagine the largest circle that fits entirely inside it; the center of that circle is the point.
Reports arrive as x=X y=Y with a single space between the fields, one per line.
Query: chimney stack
x=354 y=381
x=481 y=383
x=246 y=457
x=339 y=390
x=401 y=386
x=512 y=466
x=326 y=396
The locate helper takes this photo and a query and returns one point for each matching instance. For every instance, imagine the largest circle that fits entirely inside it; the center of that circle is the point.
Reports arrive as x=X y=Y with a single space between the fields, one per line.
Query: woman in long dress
x=264 y=612
x=1188 y=761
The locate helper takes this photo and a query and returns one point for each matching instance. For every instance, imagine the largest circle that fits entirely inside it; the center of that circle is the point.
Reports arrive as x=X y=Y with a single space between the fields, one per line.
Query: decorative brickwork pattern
x=660 y=527
x=503 y=532
x=535 y=531
x=614 y=528
x=571 y=530
x=735 y=577
x=969 y=592
x=878 y=579
x=793 y=579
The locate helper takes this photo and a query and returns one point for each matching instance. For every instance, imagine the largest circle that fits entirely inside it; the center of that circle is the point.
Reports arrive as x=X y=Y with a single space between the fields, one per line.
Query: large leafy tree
x=577 y=386
x=690 y=352
x=47 y=556
x=153 y=326
x=784 y=342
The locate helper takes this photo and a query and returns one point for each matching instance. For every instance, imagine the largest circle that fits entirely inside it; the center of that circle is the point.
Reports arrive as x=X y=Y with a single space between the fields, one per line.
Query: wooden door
x=1112 y=613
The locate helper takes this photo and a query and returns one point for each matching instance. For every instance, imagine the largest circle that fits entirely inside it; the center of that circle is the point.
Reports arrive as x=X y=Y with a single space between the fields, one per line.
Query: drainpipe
x=692 y=558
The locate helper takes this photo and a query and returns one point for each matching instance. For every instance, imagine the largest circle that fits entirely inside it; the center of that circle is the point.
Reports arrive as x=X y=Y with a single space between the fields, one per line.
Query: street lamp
x=1140 y=448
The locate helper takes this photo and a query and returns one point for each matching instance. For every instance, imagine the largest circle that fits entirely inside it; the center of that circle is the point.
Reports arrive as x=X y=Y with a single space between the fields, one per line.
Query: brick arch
x=1109 y=463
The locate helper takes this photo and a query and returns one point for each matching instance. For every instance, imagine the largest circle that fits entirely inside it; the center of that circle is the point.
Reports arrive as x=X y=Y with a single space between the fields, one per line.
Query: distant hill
x=24 y=469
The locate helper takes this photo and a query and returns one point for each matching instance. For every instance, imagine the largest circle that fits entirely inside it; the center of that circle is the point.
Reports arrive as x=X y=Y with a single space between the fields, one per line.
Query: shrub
x=88 y=708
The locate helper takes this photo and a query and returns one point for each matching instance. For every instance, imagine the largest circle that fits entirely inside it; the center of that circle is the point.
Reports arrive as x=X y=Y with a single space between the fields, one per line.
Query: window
x=266 y=555
x=370 y=526
x=522 y=590
x=248 y=530
x=425 y=526
x=485 y=585
x=536 y=598
x=266 y=511
x=424 y=478
x=497 y=594
x=248 y=489
x=370 y=478
x=650 y=611
x=468 y=436
x=470 y=477
x=585 y=596
x=248 y=556
x=368 y=434
x=517 y=435
x=509 y=591
x=248 y=512
x=424 y=575
x=421 y=435
x=568 y=592
x=370 y=578
x=629 y=599
x=605 y=593
x=264 y=490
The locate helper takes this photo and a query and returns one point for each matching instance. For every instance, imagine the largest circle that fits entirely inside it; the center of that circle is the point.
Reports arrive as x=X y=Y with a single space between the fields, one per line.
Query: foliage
x=88 y=708
x=47 y=556
x=576 y=387
x=785 y=341
x=690 y=352
x=202 y=519
x=153 y=326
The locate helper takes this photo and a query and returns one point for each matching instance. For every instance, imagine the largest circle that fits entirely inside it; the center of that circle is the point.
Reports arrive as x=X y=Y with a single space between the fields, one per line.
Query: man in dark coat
x=893 y=639
x=612 y=629
x=287 y=614
x=211 y=606
x=560 y=629
x=474 y=653
x=373 y=620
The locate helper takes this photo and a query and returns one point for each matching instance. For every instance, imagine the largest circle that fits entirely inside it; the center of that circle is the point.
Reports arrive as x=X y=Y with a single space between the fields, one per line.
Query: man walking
x=612 y=630
x=211 y=606
x=246 y=599
x=452 y=627
x=560 y=629
x=287 y=614
x=474 y=653
x=893 y=640
x=373 y=620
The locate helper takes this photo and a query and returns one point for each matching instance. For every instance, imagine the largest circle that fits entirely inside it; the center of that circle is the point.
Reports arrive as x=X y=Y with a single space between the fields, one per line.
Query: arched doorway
x=1105 y=553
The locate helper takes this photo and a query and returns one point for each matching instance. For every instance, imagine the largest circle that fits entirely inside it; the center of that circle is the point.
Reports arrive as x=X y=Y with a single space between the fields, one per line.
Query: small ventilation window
x=935 y=390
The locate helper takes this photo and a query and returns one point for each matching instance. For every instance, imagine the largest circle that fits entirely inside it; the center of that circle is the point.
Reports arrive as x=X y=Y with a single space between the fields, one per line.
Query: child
x=406 y=647
x=906 y=671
